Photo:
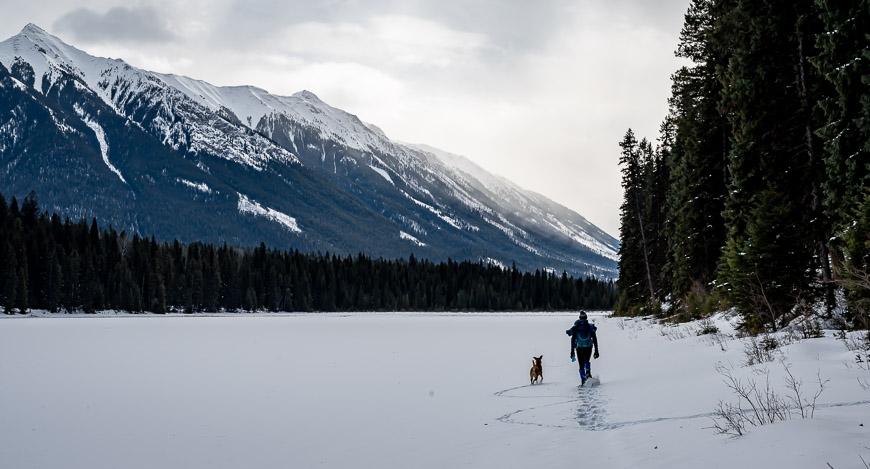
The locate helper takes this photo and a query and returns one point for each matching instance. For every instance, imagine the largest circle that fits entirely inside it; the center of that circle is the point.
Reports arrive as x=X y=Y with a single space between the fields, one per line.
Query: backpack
x=583 y=338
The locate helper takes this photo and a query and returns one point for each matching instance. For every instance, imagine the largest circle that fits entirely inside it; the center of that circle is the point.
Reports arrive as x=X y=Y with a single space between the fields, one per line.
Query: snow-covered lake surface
x=396 y=391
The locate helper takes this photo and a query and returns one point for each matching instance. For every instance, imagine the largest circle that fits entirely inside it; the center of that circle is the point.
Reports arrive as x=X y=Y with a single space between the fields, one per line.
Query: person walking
x=583 y=339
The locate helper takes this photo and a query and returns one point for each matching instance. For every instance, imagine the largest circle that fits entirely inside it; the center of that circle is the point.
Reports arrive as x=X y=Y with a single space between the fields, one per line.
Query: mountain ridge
x=238 y=156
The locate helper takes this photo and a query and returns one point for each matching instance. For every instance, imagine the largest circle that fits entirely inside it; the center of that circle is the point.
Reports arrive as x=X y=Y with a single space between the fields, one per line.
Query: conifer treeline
x=56 y=265
x=757 y=193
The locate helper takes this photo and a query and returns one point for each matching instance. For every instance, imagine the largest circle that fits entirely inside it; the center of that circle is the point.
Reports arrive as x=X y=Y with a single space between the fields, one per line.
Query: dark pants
x=583 y=356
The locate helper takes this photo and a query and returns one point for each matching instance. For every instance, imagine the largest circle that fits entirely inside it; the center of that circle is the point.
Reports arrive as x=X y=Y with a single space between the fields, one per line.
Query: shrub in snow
x=855 y=342
x=698 y=303
x=760 y=350
x=859 y=344
x=810 y=329
x=807 y=324
x=707 y=327
x=758 y=403
x=674 y=332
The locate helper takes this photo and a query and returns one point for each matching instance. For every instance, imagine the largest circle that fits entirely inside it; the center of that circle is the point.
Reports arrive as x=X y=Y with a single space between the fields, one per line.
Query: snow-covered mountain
x=181 y=158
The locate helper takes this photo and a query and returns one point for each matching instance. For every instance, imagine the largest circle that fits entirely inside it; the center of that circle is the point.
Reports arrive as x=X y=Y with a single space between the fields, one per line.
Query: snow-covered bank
x=397 y=390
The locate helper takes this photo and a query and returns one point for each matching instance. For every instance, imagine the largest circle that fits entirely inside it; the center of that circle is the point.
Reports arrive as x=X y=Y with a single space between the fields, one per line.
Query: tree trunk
x=645 y=254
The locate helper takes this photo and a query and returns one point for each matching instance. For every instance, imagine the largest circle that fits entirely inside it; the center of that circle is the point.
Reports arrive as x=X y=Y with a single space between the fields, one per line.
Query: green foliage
x=697 y=303
x=767 y=269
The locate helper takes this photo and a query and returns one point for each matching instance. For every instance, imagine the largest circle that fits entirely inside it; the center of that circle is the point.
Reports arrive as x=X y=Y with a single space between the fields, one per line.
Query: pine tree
x=844 y=61
x=21 y=291
x=770 y=252
x=212 y=285
x=54 y=286
x=30 y=209
x=9 y=293
x=251 y=303
x=159 y=305
x=656 y=174
x=635 y=277
x=700 y=144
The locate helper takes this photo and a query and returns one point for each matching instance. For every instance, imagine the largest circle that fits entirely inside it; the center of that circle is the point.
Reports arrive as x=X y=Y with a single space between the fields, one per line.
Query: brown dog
x=536 y=374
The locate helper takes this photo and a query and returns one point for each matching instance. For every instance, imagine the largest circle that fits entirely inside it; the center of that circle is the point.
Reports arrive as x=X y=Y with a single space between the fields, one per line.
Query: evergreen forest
x=755 y=194
x=59 y=265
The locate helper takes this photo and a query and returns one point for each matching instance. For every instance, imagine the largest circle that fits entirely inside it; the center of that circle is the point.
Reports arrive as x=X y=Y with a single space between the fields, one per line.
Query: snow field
x=253 y=207
x=396 y=390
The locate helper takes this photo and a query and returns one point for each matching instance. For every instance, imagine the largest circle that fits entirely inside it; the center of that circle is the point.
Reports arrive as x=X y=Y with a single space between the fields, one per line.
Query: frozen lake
x=377 y=390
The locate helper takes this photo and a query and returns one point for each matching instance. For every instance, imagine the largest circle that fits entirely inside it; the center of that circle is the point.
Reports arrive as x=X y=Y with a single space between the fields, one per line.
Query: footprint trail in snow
x=591 y=410
x=589 y=407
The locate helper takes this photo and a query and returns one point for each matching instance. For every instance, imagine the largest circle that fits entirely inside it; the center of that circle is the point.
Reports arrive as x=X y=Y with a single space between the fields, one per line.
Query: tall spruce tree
x=843 y=59
x=653 y=213
x=635 y=275
x=773 y=222
x=697 y=189
x=9 y=279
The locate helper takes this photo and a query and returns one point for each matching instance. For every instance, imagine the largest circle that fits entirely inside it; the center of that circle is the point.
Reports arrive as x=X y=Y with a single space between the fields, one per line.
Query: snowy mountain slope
x=529 y=206
x=251 y=105
x=180 y=122
x=289 y=170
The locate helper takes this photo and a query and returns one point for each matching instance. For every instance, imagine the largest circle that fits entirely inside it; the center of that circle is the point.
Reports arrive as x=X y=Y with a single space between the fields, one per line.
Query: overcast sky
x=537 y=91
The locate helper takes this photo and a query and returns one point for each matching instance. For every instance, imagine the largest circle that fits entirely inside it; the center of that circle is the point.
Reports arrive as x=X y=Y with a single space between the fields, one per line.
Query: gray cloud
x=131 y=24
x=516 y=25
x=661 y=14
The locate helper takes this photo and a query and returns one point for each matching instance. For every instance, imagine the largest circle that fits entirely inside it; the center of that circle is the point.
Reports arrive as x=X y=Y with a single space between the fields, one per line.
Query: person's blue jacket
x=585 y=331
